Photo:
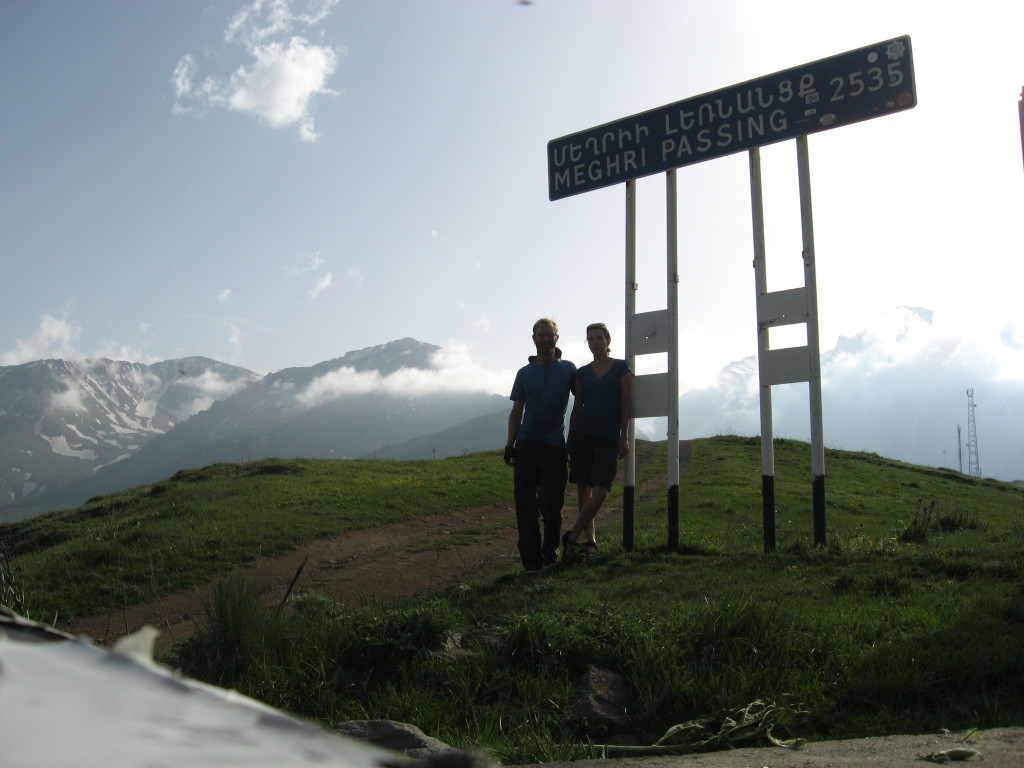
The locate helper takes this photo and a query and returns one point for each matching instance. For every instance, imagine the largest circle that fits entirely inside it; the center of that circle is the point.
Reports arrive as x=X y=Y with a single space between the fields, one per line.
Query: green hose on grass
x=731 y=729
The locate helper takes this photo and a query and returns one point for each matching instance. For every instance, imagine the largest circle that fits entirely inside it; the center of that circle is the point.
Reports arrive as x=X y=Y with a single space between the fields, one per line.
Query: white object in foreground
x=65 y=701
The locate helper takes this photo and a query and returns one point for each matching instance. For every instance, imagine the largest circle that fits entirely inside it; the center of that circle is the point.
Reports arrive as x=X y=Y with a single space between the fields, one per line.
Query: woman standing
x=598 y=435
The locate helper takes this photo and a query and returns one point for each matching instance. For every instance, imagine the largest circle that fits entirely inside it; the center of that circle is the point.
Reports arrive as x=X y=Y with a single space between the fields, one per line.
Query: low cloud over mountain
x=897 y=388
x=370 y=402
x=69 y=431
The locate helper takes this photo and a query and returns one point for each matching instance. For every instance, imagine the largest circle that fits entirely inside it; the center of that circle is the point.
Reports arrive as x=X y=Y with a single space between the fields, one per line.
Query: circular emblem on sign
x=895 y=50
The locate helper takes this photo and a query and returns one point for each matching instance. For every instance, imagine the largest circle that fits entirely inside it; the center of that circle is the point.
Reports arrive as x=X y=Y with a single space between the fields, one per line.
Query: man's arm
x=515 y=418
x=577 y=404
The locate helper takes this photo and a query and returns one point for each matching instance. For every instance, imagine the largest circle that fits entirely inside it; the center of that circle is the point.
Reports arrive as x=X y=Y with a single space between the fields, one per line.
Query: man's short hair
x=546 y=321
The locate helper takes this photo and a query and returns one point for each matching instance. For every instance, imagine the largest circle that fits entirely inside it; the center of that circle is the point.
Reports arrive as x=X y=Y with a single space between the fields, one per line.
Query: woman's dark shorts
x=592 y=460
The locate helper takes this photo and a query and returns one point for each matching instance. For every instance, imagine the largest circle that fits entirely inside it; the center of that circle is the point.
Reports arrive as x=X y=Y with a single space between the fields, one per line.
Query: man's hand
x=510 y=455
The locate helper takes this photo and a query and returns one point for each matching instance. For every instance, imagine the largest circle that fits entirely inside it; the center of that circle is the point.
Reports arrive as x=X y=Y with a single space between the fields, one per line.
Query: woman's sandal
x=570 y=552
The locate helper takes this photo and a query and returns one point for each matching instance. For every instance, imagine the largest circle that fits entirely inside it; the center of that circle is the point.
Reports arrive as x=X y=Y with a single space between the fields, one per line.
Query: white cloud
x=214 y=384
x=484 y=323
x=344 y=381
x=262 y=19
x=1012 y=336
x=354 y=276
x=281 y=83
x=55 y=337
x=225 y=296
x=279 y=387
x=895 y=387
x=307 y=131
x=113 y=350
x=453 y=369
x=284 y=75
x=181 y=79
x=456 y=363
x=234 y=340
x=69 y=399
x=935 y=343
x=311 y=262
x=251 y=25
x=322 y=284
x=211 y=387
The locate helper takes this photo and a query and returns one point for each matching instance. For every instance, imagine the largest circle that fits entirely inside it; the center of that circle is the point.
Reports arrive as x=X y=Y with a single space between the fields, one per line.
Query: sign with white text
x=869 y=82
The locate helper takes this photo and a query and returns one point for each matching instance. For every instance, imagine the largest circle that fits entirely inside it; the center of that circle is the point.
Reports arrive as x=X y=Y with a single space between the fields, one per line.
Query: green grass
x=911 y=619
x=136 y=545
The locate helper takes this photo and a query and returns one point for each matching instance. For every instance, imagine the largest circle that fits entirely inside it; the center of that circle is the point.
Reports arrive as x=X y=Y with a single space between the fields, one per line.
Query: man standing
x=536 y=446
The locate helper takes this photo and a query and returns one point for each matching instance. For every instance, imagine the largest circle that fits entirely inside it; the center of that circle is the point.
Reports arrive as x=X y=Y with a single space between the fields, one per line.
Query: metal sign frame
x=868 y=82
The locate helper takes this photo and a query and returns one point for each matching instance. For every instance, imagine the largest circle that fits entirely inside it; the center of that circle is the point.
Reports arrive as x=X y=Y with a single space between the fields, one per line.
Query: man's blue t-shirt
x=544 y=388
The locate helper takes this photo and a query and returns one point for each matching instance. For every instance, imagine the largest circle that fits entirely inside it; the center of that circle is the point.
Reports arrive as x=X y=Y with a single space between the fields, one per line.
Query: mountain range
x=73 y=430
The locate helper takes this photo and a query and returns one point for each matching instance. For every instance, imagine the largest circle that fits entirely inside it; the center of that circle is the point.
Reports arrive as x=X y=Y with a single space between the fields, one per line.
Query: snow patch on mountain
x=61 y=420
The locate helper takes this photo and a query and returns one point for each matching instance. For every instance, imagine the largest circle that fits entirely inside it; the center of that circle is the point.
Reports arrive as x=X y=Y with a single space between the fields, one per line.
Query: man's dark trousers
x=539 y=485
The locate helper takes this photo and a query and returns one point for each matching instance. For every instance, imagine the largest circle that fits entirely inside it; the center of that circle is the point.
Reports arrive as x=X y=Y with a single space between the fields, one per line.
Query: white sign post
x=792 y=364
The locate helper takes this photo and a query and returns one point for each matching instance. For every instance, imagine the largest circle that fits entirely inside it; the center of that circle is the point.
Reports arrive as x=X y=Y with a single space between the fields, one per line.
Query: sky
x=273 y=184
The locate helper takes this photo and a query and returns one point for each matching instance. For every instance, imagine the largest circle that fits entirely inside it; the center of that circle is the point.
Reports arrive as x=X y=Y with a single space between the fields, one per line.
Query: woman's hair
x=601 y=327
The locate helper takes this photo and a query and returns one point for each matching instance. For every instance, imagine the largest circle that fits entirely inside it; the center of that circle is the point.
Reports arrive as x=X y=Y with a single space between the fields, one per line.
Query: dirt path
x=376 y=564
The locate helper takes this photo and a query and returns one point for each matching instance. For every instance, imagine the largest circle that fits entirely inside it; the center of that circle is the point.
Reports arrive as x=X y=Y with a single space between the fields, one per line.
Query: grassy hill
x=910 y=620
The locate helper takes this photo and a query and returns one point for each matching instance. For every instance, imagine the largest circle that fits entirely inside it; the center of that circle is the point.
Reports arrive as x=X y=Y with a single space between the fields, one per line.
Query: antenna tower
x=974 y=468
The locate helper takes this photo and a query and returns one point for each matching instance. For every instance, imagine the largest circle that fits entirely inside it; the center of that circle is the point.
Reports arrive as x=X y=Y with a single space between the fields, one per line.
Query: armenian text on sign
x=858 y=85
